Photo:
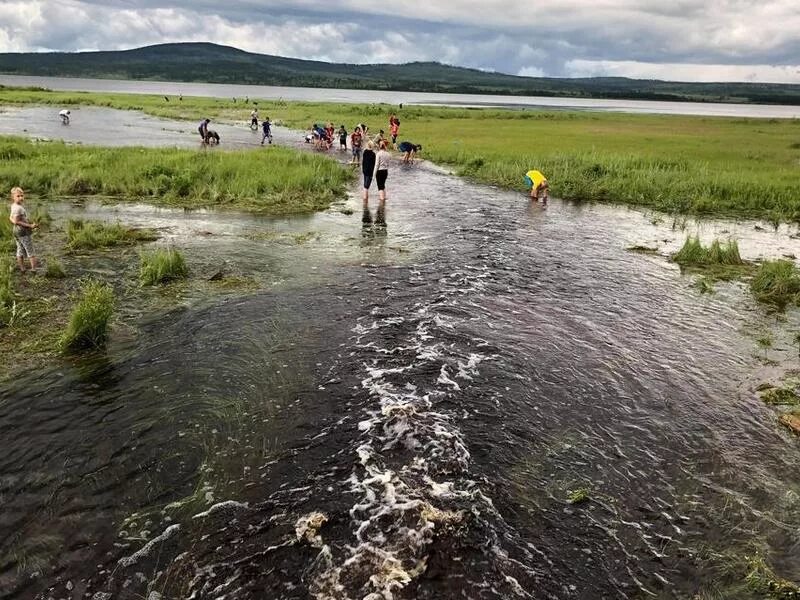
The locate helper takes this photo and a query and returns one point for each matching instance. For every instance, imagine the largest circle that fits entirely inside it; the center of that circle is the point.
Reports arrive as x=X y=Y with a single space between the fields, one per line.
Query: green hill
x=212 y=63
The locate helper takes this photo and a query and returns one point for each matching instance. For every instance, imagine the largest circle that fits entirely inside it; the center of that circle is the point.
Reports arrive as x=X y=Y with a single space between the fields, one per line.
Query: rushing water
x=266 y=92
x=404 y=412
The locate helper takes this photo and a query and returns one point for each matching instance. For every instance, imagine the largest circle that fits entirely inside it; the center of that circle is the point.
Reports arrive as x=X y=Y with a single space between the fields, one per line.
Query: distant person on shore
x=356 y=140
x=266 y=131
x=394 y=128
x=22 y=230
x=202 y=129
x=538 y=184
x=342 y=138
x=382 y=159
x=368 y=169
x=409 y=151
x=254 y=119
x=64 y=116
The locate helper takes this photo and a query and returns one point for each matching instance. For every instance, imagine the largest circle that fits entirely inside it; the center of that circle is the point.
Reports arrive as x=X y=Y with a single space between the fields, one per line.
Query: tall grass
x=88 y=324
x=777 y=282
x=162 y=265
x=6 y=291
x=283 y=182
x=89 y=235
x=694 y=254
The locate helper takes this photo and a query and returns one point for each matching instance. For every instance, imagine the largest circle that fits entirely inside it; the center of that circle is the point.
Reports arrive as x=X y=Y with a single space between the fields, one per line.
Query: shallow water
x=267 y=92
x=403 y=412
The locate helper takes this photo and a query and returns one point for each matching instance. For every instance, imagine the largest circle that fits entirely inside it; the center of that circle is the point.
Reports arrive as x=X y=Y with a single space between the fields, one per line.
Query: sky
x=680 y=40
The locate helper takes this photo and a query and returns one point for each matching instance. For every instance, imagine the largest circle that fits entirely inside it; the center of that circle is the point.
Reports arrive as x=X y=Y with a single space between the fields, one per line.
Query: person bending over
x=212 y=137
x=64 y=116
x=538 y=184
x=409 y=151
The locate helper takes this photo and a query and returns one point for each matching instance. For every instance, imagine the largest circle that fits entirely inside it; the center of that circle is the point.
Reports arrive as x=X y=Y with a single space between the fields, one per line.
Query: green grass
x=90 y=235
x=780 y=396
x=678 y=164
x=284 y=181
x=162 y=265
x=777 y=282
x=578 y=496
x=54 y=269
x=88 y=324
x=694 y=254
x=7 y=302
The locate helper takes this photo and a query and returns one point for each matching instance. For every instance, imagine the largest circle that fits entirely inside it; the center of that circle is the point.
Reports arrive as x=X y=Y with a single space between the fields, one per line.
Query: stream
x=404 y=411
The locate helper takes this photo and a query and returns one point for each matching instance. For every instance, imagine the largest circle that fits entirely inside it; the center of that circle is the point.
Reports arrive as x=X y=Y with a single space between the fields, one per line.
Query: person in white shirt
x=382 y=170
x=64 y=114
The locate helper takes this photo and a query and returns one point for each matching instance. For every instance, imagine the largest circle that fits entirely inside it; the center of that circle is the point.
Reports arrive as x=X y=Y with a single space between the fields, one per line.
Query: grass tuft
x=162 y=265
x=777 y=282
x=7 y=303
x=88 y=324
x=90 y=235
x=694 y=254
x=54 y=269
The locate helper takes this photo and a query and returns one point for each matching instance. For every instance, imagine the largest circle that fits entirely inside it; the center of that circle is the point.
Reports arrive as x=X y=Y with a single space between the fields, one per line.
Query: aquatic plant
x=578 y=496
x=88 y=323
x=694 y=254
x=780 y=396
x=162 y=265
x=777 y=282
x=90 y=235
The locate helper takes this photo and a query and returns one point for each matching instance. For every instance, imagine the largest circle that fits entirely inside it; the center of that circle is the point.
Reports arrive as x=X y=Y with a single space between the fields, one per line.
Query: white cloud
x=684 y=72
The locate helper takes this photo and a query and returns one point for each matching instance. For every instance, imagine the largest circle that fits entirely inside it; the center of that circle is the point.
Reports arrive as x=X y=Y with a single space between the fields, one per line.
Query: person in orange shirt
x=394 y=128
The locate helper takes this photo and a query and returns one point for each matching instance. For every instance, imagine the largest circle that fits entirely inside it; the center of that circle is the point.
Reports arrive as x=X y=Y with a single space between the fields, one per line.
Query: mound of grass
x=90 y=235
x=162 y=265
x=285 y=181
x=54 y=269
x=88 y=324
x=694 y=254
x=777 y=282
x=578 y=496
x=780 y=396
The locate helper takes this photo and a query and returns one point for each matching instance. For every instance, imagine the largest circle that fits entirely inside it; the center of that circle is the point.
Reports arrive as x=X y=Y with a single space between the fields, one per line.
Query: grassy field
x=691 y=165
x=283 y=182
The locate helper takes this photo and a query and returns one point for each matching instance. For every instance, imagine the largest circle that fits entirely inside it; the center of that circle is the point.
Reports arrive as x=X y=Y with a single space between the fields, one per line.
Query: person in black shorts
x=382 y=170
x=368 y=169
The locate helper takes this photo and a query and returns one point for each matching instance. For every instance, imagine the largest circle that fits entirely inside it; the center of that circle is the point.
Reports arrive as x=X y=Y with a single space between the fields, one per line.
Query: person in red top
x=394 y=128
x=356 y=140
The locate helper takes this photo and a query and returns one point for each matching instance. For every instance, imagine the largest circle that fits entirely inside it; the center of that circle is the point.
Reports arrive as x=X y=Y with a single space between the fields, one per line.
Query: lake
x=266 y=92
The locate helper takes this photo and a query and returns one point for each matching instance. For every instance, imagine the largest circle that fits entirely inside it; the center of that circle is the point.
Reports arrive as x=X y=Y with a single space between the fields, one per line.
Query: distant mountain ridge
x=212 y=63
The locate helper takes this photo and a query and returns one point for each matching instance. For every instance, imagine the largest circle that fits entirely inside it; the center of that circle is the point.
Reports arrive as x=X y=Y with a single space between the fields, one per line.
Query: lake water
x=265 y=92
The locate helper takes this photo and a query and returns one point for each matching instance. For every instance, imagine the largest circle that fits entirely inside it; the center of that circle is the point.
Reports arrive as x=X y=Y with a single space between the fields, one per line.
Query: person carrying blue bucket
x=538 y=185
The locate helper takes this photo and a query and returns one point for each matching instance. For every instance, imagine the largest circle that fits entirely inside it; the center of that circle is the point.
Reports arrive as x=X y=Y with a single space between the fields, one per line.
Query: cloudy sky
x=688 y=40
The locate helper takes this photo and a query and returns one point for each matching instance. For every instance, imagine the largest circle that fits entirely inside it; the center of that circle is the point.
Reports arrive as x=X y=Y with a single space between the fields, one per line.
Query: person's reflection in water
x=380 y=216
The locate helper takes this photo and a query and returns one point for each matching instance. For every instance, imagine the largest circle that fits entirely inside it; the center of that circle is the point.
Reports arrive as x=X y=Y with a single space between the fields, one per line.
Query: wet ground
x=405 y=411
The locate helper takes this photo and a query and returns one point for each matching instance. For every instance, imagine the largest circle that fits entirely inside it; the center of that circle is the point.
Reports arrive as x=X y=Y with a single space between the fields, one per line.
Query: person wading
x=22 y=230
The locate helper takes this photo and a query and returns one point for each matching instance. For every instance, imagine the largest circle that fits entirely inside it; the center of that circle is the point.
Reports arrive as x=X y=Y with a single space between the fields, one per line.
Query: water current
x=405 y=411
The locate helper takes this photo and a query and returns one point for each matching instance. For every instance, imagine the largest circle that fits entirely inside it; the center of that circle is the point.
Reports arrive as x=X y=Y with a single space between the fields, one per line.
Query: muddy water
x=404 y=413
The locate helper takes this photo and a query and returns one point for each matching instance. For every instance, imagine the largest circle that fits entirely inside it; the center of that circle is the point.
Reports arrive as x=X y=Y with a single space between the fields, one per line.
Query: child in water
x=538 y=184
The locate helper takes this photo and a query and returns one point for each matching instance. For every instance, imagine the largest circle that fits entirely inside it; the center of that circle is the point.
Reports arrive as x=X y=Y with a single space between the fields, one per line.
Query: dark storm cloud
x=714 y=39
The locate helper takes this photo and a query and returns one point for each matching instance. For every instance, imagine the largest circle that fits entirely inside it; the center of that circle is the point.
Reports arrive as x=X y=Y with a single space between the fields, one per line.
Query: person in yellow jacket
x=538 y=184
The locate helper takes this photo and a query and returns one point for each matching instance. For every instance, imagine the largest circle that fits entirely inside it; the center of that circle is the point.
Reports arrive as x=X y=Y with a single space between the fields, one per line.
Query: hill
x=212 y=63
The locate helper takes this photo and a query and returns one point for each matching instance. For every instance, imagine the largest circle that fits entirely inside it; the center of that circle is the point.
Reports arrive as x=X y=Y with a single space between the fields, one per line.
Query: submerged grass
x=694 y=254
x=7 y=303
x=284 y=181
x=162 y=265
x=90 y=235
x=676 y=164
x=777 y=282
x=88 y=324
